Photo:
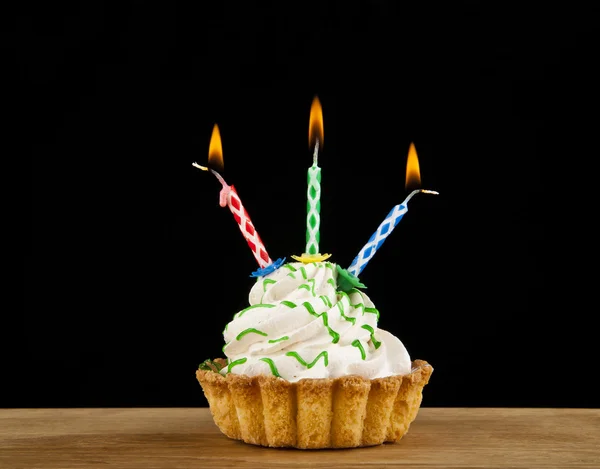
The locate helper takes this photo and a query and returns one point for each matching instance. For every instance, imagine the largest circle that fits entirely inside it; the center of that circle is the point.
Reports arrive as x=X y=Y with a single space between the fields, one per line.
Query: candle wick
x=217 y=175
x=220 y=178
x=224 y=194
x=203 y=168
x=316 y=153
x=415 y=192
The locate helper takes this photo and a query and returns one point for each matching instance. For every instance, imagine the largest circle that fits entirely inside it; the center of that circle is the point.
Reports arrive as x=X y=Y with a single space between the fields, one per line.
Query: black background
x=131 y=269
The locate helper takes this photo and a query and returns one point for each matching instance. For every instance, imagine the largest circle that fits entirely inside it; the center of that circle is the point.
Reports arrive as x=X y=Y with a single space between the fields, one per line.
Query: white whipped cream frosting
x=299 y=326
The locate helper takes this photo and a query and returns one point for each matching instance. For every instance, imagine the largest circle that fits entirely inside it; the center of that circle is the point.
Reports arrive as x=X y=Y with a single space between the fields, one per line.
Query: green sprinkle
x=271 y=364
x=267 y=282
x=250 y=330
x=272 y=341
x=260 y=305
x=291 y=275
x=343 y=294
x=341 y=308
x=310 y=288
x=310 y=309
x=329 y=265
x=289 y=304
x=236 y=363
x=334 y=335
x=311 y=364
x=376 y=343
x=357 y=343
x=326 y=300
x=373 y=311
x=360 y=304
x=312 y=285
x=303 y=272
x=290 y=267
x=331 y=282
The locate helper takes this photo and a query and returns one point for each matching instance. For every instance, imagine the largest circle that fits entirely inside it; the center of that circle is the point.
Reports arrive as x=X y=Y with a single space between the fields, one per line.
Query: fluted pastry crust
x=344 y=412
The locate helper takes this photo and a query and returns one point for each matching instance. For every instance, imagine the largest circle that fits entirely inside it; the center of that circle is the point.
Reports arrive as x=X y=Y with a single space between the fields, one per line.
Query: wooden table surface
x=187 y=438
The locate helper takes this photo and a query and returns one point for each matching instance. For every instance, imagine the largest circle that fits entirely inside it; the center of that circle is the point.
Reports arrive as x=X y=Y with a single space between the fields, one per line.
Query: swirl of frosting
x=299 y=326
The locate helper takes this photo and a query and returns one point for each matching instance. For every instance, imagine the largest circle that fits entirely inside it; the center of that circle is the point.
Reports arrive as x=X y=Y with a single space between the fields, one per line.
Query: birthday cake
x=307 y=366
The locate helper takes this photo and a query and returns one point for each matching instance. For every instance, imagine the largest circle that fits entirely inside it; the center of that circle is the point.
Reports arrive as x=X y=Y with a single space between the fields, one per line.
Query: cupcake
x=307 y=367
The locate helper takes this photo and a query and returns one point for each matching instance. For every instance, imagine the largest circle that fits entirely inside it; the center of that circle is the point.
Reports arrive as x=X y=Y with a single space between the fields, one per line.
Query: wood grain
x=187 y=438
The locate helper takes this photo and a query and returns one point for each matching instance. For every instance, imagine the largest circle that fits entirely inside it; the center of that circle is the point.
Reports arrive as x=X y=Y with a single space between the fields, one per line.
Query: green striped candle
x=313 y=193
x=313 y=205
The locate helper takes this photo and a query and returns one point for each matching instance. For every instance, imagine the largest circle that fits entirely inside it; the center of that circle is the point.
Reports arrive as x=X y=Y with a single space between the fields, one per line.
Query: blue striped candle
x=383 y=231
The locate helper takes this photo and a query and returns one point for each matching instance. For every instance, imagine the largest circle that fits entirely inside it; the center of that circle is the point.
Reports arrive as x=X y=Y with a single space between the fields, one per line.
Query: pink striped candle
x=230 y=198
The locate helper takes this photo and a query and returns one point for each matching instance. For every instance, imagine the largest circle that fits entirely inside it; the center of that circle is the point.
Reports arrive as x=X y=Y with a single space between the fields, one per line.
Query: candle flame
x=413 y=173
x=315 y=126
x=215 y=150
